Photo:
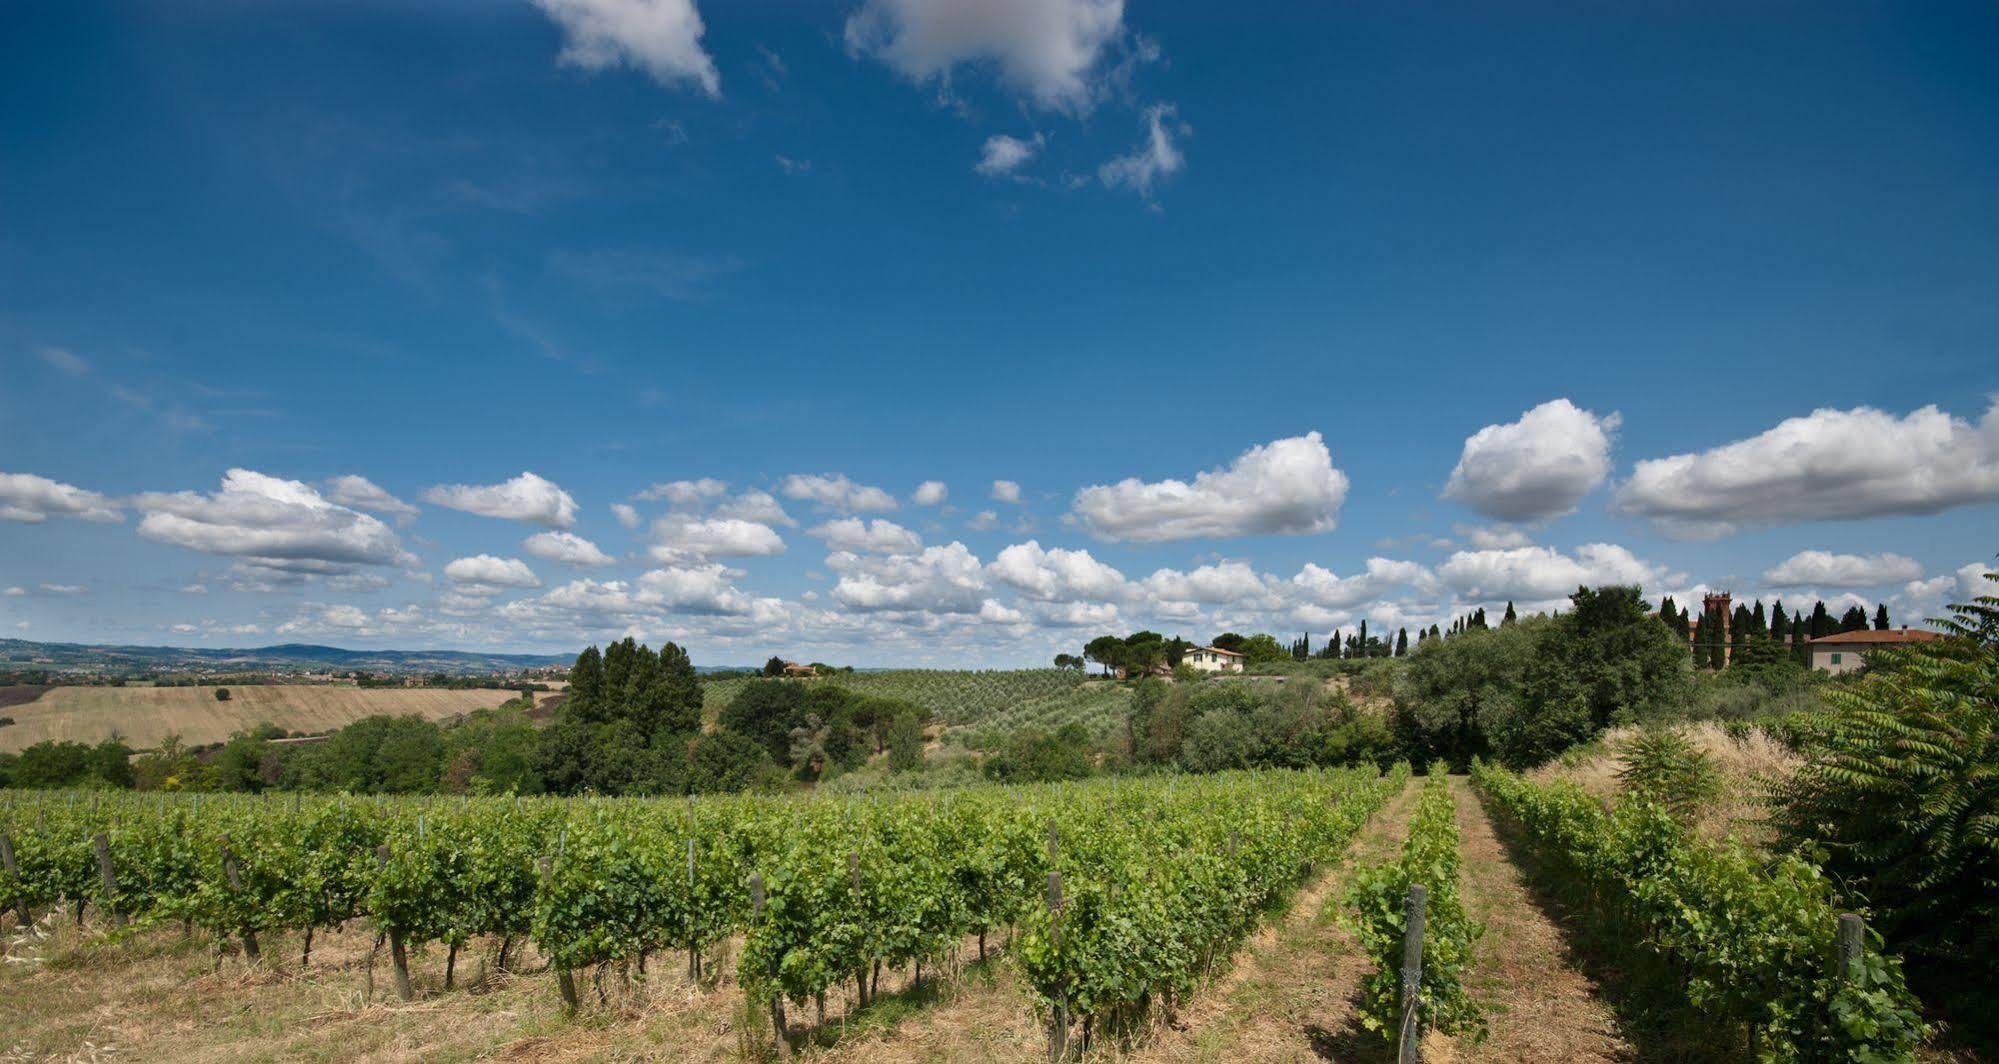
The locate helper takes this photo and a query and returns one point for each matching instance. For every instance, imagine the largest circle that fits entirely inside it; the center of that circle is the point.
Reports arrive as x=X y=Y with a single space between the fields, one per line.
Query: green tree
x=1881 y=617
x=1855 y=619
x=774 y=667
x=1262 y=649
x=905 y=743
x=586 y=683
x=222 y=694
x=765 y=712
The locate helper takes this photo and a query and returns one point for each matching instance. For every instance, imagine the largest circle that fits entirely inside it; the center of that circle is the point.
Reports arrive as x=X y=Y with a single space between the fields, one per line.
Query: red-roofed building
x=1847 y=651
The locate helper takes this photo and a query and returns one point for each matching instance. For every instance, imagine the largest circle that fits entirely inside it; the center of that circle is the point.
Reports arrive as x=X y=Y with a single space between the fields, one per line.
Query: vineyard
x=1116 y=897
x=955 y=696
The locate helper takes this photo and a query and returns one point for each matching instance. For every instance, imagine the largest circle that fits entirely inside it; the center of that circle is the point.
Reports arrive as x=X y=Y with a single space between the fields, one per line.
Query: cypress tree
x=1855 y=619
x=1401 y=642
x=1822 y=622
x=1363 y=638
x=1800 y=649
x=1881 y=617
x=1510 y=615
x=1780 y=623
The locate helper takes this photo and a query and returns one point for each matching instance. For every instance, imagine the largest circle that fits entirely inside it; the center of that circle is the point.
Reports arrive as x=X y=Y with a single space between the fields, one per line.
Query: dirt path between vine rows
x=1290 y=993
x=1540 y=1006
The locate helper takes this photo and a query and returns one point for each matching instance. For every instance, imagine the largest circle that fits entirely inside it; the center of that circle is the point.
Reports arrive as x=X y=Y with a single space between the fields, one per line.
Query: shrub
x=1661 y=766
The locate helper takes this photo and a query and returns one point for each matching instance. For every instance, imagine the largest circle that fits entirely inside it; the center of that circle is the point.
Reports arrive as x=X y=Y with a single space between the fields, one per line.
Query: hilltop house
x=792 y=668
x=1847 y=651
x=1213 y=659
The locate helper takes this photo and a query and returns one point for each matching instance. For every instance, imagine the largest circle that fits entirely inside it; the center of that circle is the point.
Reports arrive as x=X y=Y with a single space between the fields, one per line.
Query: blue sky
x=1695 y=296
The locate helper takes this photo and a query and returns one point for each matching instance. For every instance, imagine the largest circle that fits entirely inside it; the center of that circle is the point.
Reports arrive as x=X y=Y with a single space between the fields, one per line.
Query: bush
x=1661 y=766
x=222 y=694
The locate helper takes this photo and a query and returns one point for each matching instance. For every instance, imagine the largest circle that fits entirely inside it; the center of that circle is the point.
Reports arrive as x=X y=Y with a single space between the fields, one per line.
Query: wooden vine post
x=397 y=956
x=235 y=877
x=13 y=871
x=1851 y=931
x=564 y=981
x=110 y=879
x=693 y=940
x=854 y=882
x=1410 y=1038
x=1058 y=1024
x=777 y=993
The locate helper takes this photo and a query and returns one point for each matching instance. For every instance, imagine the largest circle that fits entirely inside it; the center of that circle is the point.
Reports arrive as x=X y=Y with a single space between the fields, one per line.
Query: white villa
x=1847 y=651
x=1213 y=659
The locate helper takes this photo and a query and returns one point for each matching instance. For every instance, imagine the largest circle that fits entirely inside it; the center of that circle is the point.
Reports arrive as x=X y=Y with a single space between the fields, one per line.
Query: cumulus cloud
x=834 y=491
x=627 y=515
x=1055 y=574
x=945 y=579
x=527 y=497
x=878 y=536
x=270 y=522
x=677 y=538
x=1537 y=467
x=1002 y=154
x=1492 y=537
x=930 y=493
x=1321 y=587
x=64 y=589
x=1006 y=491
x=1230 y=583
x=16 y=592
x=660 y=37
x=983 y=521
x=364 y=494
x=684 y=492
x=1536 y=574
x=1157 y=157
x=1286 y=487
x=1828 y=465
x=1818 y=568
x=32 y=499
x=485 y=570
x=759 y=506
x=1046 y=49
x=567 y=548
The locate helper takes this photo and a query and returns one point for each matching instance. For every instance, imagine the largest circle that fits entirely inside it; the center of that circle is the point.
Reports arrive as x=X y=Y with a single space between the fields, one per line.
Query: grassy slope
x=145 y=715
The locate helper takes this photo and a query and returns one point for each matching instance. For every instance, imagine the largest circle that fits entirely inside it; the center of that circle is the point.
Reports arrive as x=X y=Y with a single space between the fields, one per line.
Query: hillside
x=986 y=698
x=145 y=715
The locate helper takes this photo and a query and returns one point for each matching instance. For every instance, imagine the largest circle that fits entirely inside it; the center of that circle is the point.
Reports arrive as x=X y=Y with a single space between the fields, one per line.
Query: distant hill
x=21 y=654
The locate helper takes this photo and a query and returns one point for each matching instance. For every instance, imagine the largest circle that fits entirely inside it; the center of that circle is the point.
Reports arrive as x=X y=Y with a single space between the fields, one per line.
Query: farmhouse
x=1213 y=659
x=792 y=668
x=1847 y=651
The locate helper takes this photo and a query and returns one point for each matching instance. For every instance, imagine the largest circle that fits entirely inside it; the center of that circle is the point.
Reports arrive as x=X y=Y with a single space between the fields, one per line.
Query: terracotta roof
x=1873 y=638
x=1219 y=650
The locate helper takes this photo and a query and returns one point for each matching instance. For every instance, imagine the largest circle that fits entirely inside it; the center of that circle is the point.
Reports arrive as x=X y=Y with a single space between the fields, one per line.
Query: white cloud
x=194 y=589
x=660 y=37
x=527 y=497
x=835 y=491
x=930 y=493
x=1003 y=155
x=1006 y=491
x=939 y=580
x=1231 y=583
x=1491 y=537
x=1536 y=574
x=1158 y=157
x=1055 y=574
x=627 y=515
x=567 y=548
x=16 y=592
x=274 y=523
x=65 y=360
x=32 y=499
x=759 y=506
x=1816 y=568
x=1047 y=49
x=684 y=492
x=695 y=589
x=983 y=521
x=183 y=628
x=677 y=538
x=485 y=570
x=1920 y=600
x=64 y=589
x=878 y=536
x=1286 y=487
x=1537 y=467
x=1829 y=465
x=364 y=494
x=1321 y=587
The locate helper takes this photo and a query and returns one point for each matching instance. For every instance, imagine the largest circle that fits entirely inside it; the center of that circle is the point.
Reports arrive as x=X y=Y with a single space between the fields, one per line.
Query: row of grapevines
x=1152 y=893
x=1754 y=937
x=952 y=696
x=1379 y=895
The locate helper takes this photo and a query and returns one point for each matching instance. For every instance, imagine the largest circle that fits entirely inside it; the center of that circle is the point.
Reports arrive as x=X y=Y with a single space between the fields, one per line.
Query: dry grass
x=1751 y=768
x=145 y=715
x=1542 y=1007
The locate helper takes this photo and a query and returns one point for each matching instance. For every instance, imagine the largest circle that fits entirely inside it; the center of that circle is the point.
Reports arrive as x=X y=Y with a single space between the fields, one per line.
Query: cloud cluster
x=660 y=37
x=271 y=523
x=32 y=499
x=363 y=494
x=567 y=548
x=485 y=570
x=1818 y=568
x=1537 y=467
x=1828 y=465
x=1542 y=574
x=946 y=579
x=527 y=497
x=879 y=536
x=836 y=492
x=1057 y=575
x=1046 y=49
x=1286 y=487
